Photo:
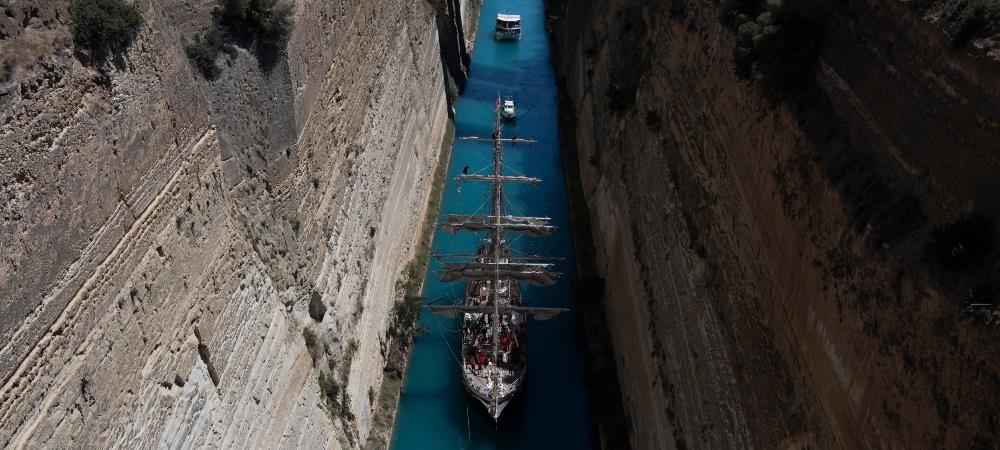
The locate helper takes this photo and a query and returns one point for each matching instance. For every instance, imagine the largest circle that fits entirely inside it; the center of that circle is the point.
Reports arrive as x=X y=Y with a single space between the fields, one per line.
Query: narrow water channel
x=551 y=411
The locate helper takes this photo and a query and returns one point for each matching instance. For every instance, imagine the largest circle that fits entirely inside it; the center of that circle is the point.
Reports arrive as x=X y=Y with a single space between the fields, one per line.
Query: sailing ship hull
x=493 y=407
x=494 y=317
x=494 y=410
x=493 y=362
x=507 y=36
x=504 y=35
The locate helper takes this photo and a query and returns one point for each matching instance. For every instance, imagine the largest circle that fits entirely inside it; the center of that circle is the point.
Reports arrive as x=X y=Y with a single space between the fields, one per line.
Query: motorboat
x=508 y=27
x=509 y=110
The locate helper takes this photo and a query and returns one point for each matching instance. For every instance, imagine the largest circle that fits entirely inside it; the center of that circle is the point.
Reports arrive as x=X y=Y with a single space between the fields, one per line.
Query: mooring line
x=458 y=361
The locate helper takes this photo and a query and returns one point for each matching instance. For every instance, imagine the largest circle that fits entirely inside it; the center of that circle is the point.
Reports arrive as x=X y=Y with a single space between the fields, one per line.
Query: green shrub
x=101 y=26
x=264 y=21
x=745 y=53
x=778 y=48
x=329 y=388
x=203 y=53
x=312 y=344
x=333 y=395
x=404 y=317
x=971 y=18
x=731 y=12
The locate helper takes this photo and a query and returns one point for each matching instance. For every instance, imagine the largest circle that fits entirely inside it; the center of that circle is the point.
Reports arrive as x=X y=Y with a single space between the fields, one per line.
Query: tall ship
x=493 y=313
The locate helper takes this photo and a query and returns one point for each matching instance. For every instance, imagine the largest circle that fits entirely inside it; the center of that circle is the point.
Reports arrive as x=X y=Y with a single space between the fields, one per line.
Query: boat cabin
x=509 y=111
x=508 y=27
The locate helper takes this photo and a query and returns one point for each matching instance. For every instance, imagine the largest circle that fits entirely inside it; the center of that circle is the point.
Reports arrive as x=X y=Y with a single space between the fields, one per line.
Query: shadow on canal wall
x=608 y=415
x=456 y=22
x=771 y=278
x=607 y=412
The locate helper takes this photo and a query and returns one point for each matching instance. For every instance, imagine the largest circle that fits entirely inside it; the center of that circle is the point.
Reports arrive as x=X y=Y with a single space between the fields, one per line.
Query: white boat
x=508 y=27
x=509 y=111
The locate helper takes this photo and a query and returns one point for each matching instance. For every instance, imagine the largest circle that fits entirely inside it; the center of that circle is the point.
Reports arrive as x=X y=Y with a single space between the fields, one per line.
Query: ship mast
x=497 y=209
x=493 y=265
x=498 y=235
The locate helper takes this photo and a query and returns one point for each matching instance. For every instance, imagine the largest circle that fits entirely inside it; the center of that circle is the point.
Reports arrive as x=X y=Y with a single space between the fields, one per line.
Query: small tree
x=732 y=13
x=778 y=48
x=264 y=21
x=972 y=18
x=101 y=26
x=203 y=52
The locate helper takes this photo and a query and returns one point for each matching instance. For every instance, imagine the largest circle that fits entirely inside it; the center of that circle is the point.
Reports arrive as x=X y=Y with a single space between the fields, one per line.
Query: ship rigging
x=493 y=312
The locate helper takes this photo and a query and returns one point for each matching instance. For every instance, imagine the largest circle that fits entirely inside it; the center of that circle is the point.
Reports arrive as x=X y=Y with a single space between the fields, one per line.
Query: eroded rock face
x=765 y=279
x=162 y=235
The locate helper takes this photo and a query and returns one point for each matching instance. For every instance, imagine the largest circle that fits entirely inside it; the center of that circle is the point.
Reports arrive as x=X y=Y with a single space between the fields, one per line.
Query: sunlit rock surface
x=162 y=236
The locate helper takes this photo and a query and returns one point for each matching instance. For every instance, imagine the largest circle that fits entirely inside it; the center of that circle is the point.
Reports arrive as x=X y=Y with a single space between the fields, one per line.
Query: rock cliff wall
x=767 y=283
x=163 y=237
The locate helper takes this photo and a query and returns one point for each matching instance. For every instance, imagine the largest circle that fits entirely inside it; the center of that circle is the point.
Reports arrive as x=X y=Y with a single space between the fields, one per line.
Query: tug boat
x=508 y=27
x=493 y=312
x=509 y=111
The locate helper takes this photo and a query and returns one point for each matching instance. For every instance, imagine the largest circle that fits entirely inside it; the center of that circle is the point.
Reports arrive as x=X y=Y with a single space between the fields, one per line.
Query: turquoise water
x=551 y=410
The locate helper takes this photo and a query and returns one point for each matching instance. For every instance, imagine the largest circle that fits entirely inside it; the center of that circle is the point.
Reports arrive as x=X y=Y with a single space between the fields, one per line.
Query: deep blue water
x=551 y=410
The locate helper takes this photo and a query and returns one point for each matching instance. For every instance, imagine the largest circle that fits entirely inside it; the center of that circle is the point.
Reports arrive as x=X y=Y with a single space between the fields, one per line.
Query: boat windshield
x=508 y=22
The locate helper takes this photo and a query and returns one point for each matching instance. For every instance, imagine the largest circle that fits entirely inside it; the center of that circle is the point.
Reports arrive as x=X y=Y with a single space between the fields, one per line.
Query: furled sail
x=509 y=258
x=493 y=356
x=506 y=178
x=530 y=226
x=536 y=274
x=537 y=313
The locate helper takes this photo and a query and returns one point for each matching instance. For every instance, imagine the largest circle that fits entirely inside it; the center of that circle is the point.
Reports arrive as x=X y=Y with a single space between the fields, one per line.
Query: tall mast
x=496 y=263
x=497 y=181
x=498 y=233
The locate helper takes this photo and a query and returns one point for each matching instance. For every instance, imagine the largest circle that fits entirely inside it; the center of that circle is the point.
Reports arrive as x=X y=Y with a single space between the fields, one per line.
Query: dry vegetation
x=406 y=311
x=264 y=24
x=104 y=26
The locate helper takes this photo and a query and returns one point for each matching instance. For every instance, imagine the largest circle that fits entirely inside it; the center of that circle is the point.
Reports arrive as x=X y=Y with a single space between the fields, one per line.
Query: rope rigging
x=492 y=310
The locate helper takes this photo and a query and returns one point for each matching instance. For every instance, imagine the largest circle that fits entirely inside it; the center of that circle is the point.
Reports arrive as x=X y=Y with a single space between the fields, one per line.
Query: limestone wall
x=753 y=299
x=162 y=235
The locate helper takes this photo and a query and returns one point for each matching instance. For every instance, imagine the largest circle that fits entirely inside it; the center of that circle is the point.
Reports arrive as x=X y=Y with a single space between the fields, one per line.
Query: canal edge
x=608 y=421
x=385 y=411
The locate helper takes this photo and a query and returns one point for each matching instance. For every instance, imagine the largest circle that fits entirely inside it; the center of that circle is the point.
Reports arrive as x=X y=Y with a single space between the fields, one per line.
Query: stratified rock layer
x=163 y=236
x=765 y=279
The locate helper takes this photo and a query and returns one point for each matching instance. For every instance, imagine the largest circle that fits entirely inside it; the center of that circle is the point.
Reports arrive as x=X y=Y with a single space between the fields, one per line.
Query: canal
x=551 y=411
